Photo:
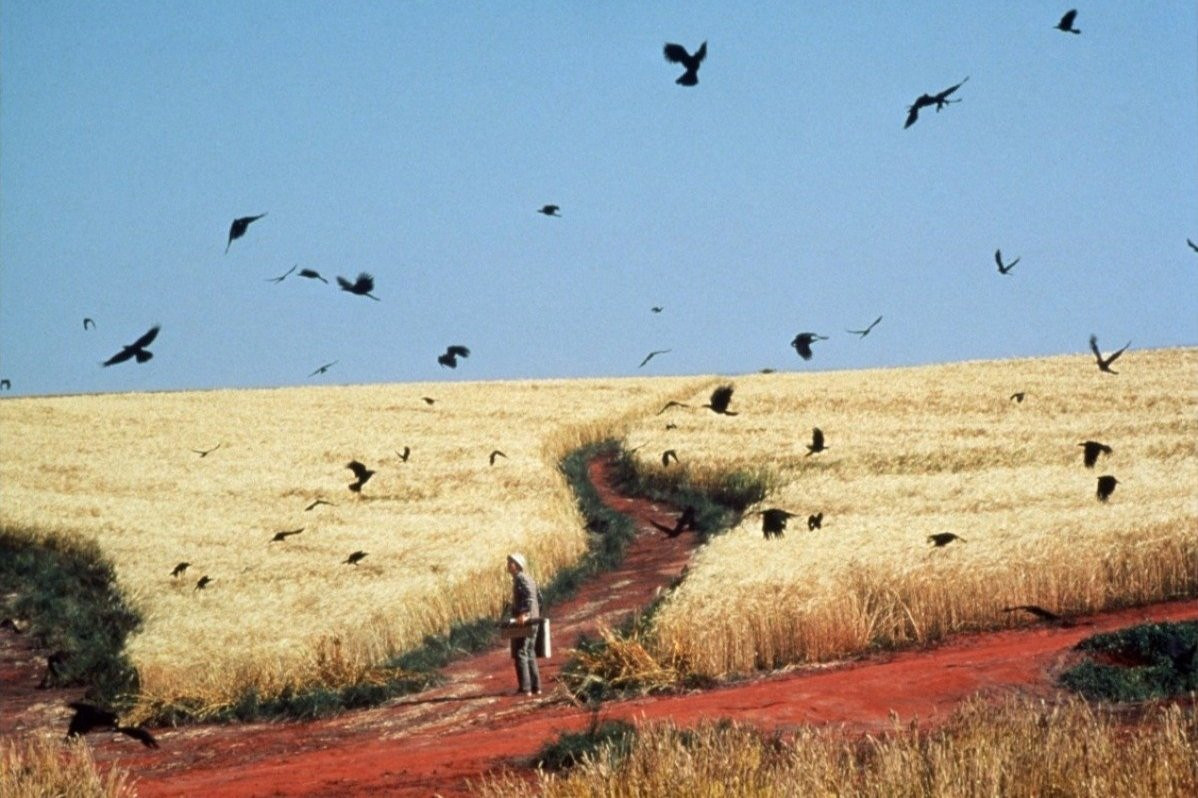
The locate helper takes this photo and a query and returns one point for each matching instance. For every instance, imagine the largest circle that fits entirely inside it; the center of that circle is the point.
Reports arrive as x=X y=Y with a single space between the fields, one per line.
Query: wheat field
x=913 y=451
x=918 y=451
x=121 y=469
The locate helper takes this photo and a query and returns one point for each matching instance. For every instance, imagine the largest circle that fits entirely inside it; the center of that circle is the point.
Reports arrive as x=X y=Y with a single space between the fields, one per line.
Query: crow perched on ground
x=773 y=522
x=653 y=354
x=815 y=521
x=362 y=286
x=866 y=331
x=924 y=100
x=137 y=349
x=998 y=259
x=944 y=538
x=312 y=274
x=817 y=442
x=180 y=568
x=1106 y=486
x=1066 y=23
x=89 y=717
x=238 y=228
x=494 y=454
x=282 y=276
x=720 y=398
x=802 y=343
x=285 y=534
x=550 y=210
x=354 y=559
x=667 y=455
x=677 y=54
x=1040 y=612
x=452 y=353
x=1092 y=450
x=1104 y=364
x=361 y=474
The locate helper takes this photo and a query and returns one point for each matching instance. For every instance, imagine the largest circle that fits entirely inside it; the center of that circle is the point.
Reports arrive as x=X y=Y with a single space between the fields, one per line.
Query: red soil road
x=438 y=741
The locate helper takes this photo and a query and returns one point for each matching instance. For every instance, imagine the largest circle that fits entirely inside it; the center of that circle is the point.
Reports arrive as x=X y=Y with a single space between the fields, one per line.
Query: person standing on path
x=526 y=605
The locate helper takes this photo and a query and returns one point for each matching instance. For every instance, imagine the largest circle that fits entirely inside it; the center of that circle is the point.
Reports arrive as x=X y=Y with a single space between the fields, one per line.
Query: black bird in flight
x=361 y=474
x=667 y=455
x=205 y=452
x=405 y=454
x=428 y=400
x=362 y=286
x=5 y=384
x=550 y=210
x=773 y=522
x=312 y=274
x=89 y=322
x=1106 y=486
x=1018 y=396
x=1193 y=246
x=1104 y=364
x=803 y=341
x=282 y=276
x=452 y=353
x=659 y=308
x=944 y=538
x=354 y=558
x=817 y=442
x=89 y=717
x=286 y=534
x=202 y=582
x=652 y=355
x=720 y=398
x=677 y=54
x=180 y=568
x=494 y=454
x=239 y=226
x=924 y=100
x=815 y=521
x=317 y=503
x=1066 y=23
x=670 y=404
x=324 y=368
x=998 y=259
x=1039 y=612
x=1091 y=451
x=866 y=331
x=137 y=349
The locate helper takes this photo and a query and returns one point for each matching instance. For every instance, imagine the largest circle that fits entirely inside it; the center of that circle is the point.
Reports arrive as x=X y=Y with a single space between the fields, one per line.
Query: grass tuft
x=1140 y=663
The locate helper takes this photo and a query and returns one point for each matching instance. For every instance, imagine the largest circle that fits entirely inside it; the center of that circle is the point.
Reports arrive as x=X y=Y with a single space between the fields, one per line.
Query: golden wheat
x=120 y=469
x=35 y=767
x=1019 y=748
x=918 y=451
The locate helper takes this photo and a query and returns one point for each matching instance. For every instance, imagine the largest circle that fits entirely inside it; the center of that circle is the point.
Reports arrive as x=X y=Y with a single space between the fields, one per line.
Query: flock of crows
x=89 y=717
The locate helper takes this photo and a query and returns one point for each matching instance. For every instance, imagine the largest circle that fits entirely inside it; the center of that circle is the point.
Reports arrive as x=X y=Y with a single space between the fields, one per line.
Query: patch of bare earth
x=437 y=741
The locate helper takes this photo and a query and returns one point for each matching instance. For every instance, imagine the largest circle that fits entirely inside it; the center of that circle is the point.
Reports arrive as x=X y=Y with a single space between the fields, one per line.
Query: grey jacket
x=525 y=596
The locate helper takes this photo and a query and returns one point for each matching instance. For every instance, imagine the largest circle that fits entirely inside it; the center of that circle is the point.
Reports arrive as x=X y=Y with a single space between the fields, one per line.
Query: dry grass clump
x=918 y=451
x=1017 y=749
x=38 y=767
x=120 y=469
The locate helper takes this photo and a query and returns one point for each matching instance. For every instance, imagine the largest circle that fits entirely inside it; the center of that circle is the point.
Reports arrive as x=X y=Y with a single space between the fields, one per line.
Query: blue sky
x=414 y=141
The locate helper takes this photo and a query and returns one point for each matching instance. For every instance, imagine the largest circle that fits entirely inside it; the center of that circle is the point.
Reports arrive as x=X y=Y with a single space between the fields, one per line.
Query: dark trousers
x=528 y=676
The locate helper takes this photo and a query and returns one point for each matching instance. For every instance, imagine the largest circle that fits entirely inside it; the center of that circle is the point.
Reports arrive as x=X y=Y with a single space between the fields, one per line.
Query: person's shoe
x=523 y=692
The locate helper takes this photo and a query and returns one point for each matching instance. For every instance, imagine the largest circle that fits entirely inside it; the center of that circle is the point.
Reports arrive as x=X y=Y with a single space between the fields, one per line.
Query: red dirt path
x=434 y=742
